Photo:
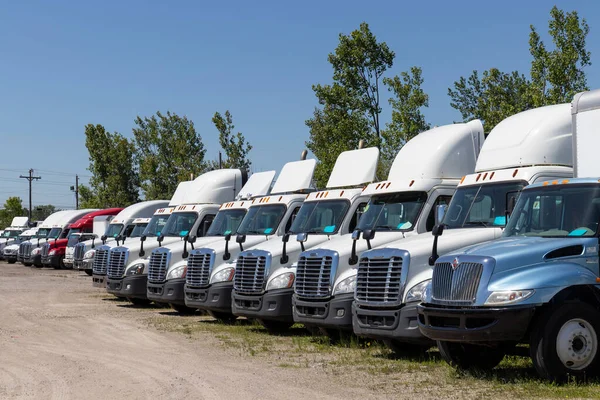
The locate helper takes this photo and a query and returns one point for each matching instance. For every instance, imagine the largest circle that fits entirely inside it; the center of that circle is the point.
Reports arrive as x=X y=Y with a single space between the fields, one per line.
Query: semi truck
x=127 y=266
x=99 y=226
x=12 y=232
x=10 y=251
x=122 y=228
x=167 y=274
x=538 y=284
x=529 y=147
x=53 y=252
x=400 y=207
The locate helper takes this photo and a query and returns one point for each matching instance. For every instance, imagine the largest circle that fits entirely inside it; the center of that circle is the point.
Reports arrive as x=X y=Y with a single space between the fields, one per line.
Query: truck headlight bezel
x=506 y=297
x=418 y=291
x=282 y=281
x=177 y=272
x=89 y=254
x=136 y=269
x=224 y=275
x=346 y=285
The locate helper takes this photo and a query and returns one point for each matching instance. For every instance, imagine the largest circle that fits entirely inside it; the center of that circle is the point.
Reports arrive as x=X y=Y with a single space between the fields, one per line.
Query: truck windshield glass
x=10 y=234
x=54 y=233
x=180 y=224
x=156 y=225
x=320 y=217
x=481 y=205
x=113 y=230
x=73 y=240
x=73 y=231
x=138 y=230
x=393 y=212
x=226 y=222
x=556 y=211
x=42 y=233
x=262 y=220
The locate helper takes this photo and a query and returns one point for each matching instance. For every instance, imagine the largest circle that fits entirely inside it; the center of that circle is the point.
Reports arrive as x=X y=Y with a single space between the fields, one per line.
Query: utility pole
x=76 y=190
x=30 y=178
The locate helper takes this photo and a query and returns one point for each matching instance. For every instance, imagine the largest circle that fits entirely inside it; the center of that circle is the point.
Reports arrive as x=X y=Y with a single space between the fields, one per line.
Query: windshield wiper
x=255 y=232
x=479 y=223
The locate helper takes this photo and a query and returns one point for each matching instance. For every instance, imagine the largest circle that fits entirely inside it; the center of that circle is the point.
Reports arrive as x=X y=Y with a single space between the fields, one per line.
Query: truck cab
x=529 y=147
x=57 y=249
x=538 y=284
x=10 y=234
x=193 y=216
x=11 y=251
x=401 y=207
x=168 y=265
x=120 y=229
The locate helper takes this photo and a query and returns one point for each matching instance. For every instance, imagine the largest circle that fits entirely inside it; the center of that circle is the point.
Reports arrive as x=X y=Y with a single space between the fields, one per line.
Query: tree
x=168 y=151
x=407 y=117
x=87 y=198
x=13 y=207
x=555 y=76
x=115 y=177
x=41 y=212
x=234 y=144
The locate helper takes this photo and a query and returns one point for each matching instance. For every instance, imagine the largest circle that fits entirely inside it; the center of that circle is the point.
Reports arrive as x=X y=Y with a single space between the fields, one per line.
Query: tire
x=467 y=356
x=27 y=264
x=224 y=317
x=313 y=330
x=403 y=349
x=275 y=326
x=184 y=310
x=564 y=342
x=61 y=264
x=10 y=261
x=40 y=266
x=89 y=272
x=138 y=302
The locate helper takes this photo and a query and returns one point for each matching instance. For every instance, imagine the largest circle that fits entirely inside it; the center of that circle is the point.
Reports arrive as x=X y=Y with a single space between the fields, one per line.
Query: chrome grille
x=378 y=280
x=45 y=249
x=199 y=267
x=250 y=272
x=117 y=258
x=78 y=252
x=456 y=285
x=24 y=249
x=100 y=261
x=315 y=274
x=157 y=266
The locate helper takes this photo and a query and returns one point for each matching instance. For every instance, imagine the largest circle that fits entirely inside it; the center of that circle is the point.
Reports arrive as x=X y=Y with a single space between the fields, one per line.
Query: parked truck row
x=474 y=244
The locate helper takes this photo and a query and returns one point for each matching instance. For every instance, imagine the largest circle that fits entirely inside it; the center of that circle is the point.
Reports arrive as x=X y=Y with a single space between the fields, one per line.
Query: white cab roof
x=445 y=152
x=180 y=193
x=19 y=222
x=63 y=218
x=258 y=184
x=29 y=232
x=586 y=123
x=141 y=220
x=214 y=187
x=295 y=176
x=144 y=209
x=540 y=136
x=354 y=167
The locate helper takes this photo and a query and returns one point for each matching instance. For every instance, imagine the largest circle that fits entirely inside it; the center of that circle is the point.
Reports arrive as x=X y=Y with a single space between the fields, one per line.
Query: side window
x=356 y=217
x=205 y=224
x=288 y=224
x=441 y=200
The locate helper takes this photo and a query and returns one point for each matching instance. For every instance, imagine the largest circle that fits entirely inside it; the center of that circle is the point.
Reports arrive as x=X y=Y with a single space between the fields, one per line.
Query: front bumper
x=68 y=262
x=10 y=257
x=51 y=261
x=475 y=324
x=274 y=305
x=130 y=286
x=170 y=292
x=216 y=297
x=333 y=313
x=99 y=281
x=399 y=323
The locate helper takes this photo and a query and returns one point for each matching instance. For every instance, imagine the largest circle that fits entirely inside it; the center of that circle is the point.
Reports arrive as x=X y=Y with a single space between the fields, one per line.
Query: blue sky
x=68 y=63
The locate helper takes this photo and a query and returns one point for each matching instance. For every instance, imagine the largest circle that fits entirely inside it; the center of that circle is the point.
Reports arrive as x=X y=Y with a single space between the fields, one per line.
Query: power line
x=30 y=178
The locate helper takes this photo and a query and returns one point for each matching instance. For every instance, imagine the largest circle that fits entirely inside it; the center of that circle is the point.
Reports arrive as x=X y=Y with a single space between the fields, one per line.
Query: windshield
x=320 y=216
x=226 y=222
x=73 y=240
x=138 y=230
x=481 y=205
x=74 y=230
x=113 y=230
x=556 y=211
x=54 y=233
x=42 y=233
x=10 y=234
x=156 y=225
x=262 y=220
x=393 y=212
x=179 y=224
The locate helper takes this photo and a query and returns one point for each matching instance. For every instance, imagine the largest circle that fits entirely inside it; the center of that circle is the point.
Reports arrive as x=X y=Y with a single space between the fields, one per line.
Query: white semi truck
x=425 y=174
x=12 y=232
x=11 y=251
x=168 y=266
x=126 y=266
x=526 y=148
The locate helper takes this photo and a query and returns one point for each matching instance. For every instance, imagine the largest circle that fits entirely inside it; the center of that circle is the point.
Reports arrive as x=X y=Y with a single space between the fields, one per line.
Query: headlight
x=89 y=254
x=177 y=272
x=136 y=269
x=52 y=252
x=285 y=280
x=36 y=251
x=507 y=297
x=345 y=286
x=224 y=275
x=417 y=292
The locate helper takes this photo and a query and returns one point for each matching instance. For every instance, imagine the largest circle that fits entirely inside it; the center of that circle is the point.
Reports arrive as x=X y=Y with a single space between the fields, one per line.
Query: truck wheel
x=564 y=343
x=185 y=310
x=61 y=264
x=469 y=356
x=224 y=317
x=89 y=272
x=403 y=349
x=275 y=326
x=27 y=264
x=138 y=302
x=10 y=261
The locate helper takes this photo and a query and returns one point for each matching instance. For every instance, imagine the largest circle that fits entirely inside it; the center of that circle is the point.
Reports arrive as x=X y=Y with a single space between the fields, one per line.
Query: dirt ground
x=60 y=338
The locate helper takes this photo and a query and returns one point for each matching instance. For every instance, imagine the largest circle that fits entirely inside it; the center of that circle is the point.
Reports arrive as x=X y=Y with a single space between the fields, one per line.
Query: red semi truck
x=53 y=252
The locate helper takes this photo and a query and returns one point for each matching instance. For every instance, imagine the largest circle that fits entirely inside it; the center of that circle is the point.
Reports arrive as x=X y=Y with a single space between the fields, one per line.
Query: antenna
x=303 y=155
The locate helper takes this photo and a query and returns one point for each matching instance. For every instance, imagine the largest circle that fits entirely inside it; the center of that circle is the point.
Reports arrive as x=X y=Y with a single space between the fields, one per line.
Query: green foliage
x=234 y=144
x=168 y=151
x=87 y=198
x=40 y=213
x=555 y=75
x=115 y=178
x=13 y=207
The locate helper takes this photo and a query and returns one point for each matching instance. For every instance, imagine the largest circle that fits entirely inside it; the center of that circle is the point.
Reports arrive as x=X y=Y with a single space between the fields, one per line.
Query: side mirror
x=160 y=238
x=284 y=257
x=285 y=238
x=301 y=238
x=353 y=256
x=356 y=235
x=241 y=239
x=103 y=238
x=227 y=254
x=192 y=239
x=143 y=238
x=368 y=235
x=440 y=211
x=437 y=232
